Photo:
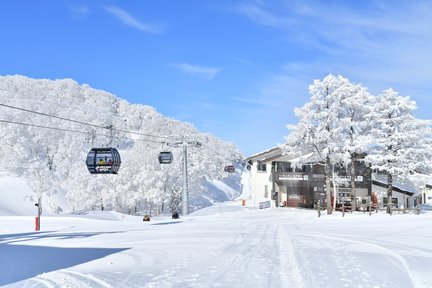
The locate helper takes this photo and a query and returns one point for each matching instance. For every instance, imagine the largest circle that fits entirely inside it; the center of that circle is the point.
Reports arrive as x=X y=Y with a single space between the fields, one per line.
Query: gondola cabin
x=229 y=168
x=103 y=161
x=165 y=157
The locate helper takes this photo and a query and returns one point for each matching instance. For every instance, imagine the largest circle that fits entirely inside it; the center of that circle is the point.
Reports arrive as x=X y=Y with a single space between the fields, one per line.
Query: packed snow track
x=223 y=246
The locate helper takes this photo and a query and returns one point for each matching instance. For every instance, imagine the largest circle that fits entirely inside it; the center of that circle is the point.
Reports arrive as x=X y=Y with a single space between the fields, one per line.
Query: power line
x=85 y=123
x=70 y=130
x=214 y=151
x=79 y=122
x=46 y=127
x=52 y=116
x=89 y=124
x=83 y=132
x=44 y=101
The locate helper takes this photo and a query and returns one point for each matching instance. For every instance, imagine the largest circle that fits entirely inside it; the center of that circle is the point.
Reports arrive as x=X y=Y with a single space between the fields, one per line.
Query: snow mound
x=100 y=215
x=246 y=185
x=17 y=199
x=221 y=208
x=425 y=207
x=223 y=190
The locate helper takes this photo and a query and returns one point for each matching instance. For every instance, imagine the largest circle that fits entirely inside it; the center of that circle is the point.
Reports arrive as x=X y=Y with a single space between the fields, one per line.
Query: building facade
x=426 y=196
x=273 y=177
x=401 y=198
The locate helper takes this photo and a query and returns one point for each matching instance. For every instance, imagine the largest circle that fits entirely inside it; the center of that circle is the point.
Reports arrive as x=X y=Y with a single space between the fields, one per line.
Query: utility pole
x=185 y=192
x=328 y=188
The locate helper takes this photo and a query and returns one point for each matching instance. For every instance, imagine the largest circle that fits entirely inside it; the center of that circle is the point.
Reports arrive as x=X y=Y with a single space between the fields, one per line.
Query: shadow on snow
x=20 y=262
x=23 y=237
x=166 y=223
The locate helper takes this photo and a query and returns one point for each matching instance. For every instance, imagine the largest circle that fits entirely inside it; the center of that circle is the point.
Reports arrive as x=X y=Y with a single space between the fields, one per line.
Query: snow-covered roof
x=265 y=154
x=276 y=153
x=395 y=188
x=404 y=185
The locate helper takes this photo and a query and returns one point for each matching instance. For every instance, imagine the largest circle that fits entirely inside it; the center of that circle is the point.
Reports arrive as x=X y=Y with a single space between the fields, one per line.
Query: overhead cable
x=85 y=123
x=70 y=130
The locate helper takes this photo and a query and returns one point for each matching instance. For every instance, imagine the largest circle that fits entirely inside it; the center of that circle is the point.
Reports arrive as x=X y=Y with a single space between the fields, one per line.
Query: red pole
x=37 y=227
x=37 y=220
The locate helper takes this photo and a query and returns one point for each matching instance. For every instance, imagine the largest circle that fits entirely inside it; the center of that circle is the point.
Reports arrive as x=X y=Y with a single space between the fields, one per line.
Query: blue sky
x=233 y=68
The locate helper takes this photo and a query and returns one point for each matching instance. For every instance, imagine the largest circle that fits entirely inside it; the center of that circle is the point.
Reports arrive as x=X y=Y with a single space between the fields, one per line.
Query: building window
x=261 y=167
x=286 y=167
x=283 y=167
x=318 y=169
x=394 y=201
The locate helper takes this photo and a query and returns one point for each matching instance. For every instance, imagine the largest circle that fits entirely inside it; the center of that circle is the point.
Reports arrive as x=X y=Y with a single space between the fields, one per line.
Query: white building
x=273 y=178
x=426 y=196
x=402 y=198
x=260 y=173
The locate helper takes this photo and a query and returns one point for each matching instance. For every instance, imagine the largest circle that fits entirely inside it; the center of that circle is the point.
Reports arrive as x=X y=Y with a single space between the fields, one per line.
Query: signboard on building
x=264 y=204
x=348 y=178
x=293 y=177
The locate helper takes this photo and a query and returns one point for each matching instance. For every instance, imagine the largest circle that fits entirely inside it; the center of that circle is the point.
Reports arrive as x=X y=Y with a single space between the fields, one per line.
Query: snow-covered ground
x=225 y=245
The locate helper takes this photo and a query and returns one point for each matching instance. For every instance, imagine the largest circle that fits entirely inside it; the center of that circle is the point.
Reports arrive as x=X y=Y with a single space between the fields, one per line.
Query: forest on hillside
x=47 y=128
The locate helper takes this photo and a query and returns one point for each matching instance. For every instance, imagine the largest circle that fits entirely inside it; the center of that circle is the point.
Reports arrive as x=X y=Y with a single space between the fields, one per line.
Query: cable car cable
x=88 y=124
x=70 y=130
x=228 y=168
x=214 y=151
x=45 y=101
x=52 y=116
x=46 y=127
x=167 y=161
x=94 y=125
x=85 y=123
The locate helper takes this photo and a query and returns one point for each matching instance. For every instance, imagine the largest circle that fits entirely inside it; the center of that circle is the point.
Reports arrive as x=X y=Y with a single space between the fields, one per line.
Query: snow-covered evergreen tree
x=355 y=103
x=400 y=143
x=331 y=124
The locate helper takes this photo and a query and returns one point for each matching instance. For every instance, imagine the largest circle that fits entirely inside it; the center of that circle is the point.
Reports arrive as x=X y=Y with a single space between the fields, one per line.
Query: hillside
x=47 y=153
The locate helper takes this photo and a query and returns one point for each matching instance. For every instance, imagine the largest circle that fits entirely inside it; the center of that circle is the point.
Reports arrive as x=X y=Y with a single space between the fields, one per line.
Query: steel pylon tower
x=185 y=192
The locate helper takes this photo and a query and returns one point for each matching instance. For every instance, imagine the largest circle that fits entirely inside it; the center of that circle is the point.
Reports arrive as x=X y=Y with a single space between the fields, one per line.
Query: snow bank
x=220 y=208
x=101 y=215
x=246 y=183
x=425 y=207
x=17 y=199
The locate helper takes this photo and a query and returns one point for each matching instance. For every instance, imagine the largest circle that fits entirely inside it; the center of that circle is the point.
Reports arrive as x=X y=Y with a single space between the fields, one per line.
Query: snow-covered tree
x=400 y=143
x=355 y=104
x=330 y=124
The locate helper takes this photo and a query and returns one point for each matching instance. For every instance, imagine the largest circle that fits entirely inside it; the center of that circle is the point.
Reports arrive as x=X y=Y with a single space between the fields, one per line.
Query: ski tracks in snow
x=290 y=272
x=344 y=262
x=259 y=254
x=66 y=278
x=247 y=259
x=260 y=257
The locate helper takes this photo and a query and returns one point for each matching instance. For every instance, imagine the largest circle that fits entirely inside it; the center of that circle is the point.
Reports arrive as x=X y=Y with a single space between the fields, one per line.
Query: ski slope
x=221 y=246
